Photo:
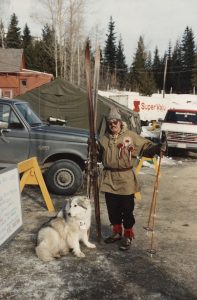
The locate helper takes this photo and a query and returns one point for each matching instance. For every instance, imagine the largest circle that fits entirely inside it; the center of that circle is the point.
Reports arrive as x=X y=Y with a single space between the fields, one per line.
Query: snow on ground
x=168 y=161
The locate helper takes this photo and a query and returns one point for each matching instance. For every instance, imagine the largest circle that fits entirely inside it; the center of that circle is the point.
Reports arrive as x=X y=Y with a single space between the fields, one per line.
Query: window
x=15 y=123
x=4 y=113
x=7 y=93
x=7 y=115
x=24 y=82
x=184 y=117
x=28 y=114
x=187 y=117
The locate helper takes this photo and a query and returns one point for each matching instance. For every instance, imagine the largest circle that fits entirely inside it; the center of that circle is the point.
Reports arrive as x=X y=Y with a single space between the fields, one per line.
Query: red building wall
x=14 y=84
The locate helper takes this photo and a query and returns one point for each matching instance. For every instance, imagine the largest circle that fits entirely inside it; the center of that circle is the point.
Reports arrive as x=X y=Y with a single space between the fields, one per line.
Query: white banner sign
x=10 y=204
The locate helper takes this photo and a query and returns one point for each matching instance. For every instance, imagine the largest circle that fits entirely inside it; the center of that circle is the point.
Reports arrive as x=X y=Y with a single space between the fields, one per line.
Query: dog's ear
x=67 y=204
x=62 y=212
x=84 y=202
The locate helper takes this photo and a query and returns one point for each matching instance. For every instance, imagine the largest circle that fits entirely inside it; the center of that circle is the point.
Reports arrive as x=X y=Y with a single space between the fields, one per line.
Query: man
x=119 y=148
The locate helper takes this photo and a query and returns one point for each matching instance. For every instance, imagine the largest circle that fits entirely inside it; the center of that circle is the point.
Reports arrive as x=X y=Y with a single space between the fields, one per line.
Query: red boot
x=128 y=233
x=128 y=236
x=116 y=236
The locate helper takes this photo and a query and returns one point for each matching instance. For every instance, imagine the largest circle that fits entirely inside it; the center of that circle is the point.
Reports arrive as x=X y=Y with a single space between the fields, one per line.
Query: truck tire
x=64 y=177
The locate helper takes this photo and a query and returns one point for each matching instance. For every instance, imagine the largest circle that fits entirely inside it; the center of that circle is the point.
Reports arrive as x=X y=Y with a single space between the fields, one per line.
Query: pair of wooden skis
x=92 y=166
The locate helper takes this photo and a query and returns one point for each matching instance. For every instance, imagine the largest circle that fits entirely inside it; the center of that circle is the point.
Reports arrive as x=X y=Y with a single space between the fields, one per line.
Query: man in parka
x=119 y=148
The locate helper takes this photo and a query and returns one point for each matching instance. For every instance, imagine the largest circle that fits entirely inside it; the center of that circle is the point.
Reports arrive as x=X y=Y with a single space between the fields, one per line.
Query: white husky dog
x=64 y=232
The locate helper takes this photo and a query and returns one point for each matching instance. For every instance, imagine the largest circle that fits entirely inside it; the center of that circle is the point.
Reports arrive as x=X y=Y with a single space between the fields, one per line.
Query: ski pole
x=152 y=213
x=154 y=197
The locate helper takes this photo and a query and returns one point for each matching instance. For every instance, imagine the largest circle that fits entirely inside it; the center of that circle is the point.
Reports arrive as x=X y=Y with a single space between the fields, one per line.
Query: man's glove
x=163 y=142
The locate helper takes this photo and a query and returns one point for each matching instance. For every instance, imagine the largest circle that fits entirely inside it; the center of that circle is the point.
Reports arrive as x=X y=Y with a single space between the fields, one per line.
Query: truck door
x=14 y=136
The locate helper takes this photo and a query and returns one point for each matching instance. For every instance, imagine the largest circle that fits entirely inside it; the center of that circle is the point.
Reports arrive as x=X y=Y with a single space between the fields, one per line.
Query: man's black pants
x=120 y=209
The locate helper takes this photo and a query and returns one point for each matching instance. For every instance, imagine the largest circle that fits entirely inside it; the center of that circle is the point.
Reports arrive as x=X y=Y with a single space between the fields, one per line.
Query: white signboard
x=10 y=204
x=154 y=107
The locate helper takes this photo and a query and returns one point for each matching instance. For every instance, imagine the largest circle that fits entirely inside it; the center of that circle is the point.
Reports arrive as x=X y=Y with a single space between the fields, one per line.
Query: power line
x=144 y=71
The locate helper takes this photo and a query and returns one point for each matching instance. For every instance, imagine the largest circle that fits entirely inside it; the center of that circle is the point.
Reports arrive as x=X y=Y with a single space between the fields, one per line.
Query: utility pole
x=164 y=76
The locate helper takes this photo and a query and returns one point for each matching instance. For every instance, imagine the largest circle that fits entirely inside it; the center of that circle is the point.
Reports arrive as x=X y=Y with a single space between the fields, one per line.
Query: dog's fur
x=66 y=230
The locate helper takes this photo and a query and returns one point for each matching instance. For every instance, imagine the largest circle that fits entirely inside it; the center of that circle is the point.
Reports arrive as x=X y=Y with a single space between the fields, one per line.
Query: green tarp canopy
x=60 y=99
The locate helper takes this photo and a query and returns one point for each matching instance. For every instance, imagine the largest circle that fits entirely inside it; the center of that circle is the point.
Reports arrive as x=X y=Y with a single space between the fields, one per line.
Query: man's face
x=114 y=126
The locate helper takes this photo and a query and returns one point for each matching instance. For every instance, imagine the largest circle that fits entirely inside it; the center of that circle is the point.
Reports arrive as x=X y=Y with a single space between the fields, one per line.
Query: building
x=14 y=78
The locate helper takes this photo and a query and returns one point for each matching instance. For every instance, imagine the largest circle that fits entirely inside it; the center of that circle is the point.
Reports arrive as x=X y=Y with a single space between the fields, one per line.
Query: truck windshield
x=31 y=118
x=181 y=117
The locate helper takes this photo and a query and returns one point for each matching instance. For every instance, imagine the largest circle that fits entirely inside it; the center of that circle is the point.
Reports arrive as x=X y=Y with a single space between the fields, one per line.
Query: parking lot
x=107 y=273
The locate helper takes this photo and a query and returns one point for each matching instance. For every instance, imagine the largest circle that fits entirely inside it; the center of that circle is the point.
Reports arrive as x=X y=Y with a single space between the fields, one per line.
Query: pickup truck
x=180 y=126
x=61 y=151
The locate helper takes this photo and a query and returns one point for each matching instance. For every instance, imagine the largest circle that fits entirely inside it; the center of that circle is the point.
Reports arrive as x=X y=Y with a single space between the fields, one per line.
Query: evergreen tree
x=26 y=37
x=110 y=47
x=194 y=75
x=148 y=85
x=140 y=75
x=148 y=61
x=188 y=59
x=13 y=39
x=43 y=51
x=121 y=66
x=28 y=48
x=176 y=68
x=138 y=66
x=110 y=53
x=157 y=70
x=48 y=37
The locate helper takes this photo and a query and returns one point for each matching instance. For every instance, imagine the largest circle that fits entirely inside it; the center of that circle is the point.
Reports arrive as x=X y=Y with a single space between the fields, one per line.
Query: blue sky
x=157 y=21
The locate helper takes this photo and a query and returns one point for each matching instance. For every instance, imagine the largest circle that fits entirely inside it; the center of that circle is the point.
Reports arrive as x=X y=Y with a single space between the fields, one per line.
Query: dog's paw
x=64 y=252
x=80 y=254
x=57 y=255
x=90 y=245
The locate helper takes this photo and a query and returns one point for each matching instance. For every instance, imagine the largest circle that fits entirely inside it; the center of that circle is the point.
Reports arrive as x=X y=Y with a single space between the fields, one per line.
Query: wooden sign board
x=10 y=204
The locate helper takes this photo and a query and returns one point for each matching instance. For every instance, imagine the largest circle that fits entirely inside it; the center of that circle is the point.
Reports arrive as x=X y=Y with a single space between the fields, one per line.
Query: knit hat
x=114 y=114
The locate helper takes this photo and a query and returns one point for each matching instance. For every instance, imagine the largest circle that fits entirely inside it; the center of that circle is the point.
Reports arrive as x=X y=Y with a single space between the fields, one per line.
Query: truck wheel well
x=72 y=157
